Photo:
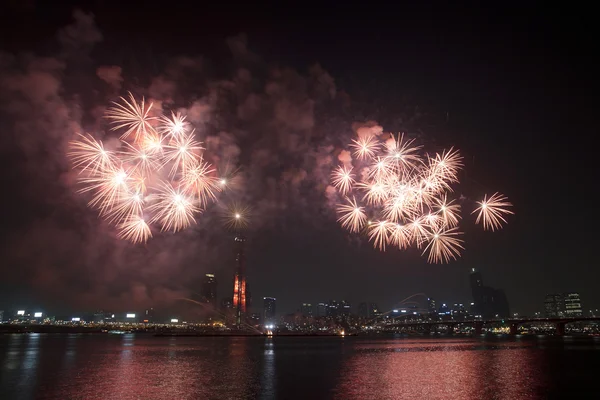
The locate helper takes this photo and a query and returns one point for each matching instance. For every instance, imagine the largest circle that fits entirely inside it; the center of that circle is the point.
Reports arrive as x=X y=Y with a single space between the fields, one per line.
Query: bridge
x=478 y=324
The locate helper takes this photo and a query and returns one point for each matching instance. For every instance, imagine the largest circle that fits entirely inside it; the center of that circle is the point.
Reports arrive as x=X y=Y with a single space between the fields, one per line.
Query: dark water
x=38 y=366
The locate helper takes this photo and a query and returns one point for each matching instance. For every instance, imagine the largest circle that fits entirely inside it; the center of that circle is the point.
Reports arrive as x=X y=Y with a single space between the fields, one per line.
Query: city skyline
x=279 y=111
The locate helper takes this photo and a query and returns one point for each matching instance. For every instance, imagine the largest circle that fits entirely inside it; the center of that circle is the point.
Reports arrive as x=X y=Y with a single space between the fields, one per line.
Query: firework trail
x=157 y=177
x=400 y=197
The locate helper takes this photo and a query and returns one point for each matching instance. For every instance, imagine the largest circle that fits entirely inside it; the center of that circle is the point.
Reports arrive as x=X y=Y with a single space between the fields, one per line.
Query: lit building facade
x=431 y=308
x=572 y=305
x=563 y=305
x=239 y=281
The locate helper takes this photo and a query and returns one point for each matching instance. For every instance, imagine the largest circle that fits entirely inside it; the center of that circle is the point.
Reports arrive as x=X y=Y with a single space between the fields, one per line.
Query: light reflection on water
x=147 y=367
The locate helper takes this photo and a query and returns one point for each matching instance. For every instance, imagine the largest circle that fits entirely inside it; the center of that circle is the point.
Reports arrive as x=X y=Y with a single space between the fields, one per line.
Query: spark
x=174 y=210
x=139 y=159
x=131 y=116
x=365 y=147
x=200 y=181
x=449 y=212
x=109 y=187
x=183 y=152
x=173 y=126
x=444 y=245
x=343 y=179
x=353 y=216
x=379 y=233
x=491 y=211
x=88 y=154
x=236 y=216
x=134 y=229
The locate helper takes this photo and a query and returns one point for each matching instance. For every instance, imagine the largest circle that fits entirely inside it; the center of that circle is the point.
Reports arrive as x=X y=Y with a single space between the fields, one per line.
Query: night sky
x=512 y=88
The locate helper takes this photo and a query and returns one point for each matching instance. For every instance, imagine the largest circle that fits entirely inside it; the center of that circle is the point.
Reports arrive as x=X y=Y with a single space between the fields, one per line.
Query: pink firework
x=156 y=176
x=408 y=194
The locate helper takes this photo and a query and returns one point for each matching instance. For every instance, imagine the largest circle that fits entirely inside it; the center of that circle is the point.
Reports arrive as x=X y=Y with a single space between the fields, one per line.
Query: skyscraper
x=489 y=302
x=572 y=305
x=368 y=310
x=209 y=290
x=562 y=305
x=239 y=281
x=269 y=309
x=431 y=309
x=554 y=305
x=321 y=310
x=307 y=309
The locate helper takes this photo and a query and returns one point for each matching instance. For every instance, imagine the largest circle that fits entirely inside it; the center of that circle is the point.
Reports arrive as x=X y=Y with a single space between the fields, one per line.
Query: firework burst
x=406 y=193
x=158 y=176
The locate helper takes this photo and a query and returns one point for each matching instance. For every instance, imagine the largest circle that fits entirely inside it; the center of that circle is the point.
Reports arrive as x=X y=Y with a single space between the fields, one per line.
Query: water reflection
x=268 y=376
x=450 y=369
x=146 y=367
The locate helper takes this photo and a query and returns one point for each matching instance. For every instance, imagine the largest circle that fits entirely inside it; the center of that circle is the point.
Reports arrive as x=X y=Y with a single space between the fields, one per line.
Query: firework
x=131 y=116
x=343 y=179
x=491 y=211
x=236 y=216
x=406 y=192
x=353 y=216
x=156 y=176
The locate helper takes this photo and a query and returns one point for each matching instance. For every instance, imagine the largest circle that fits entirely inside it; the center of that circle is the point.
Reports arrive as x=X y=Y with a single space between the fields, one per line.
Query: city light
x=130 y=315
x=21 y=312
x=38 y=315
x=174 y=320
x=75 y=319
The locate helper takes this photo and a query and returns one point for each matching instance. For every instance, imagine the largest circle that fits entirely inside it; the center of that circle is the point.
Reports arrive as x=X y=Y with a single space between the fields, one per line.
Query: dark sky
x=512 y=87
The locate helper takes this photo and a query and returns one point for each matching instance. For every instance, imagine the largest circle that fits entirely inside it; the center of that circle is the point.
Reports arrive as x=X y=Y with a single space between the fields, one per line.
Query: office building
x=572 y=305
x=562 y=305
x=321 y=310
x=488 y=302
x=431 y=309
x=306 y=309
x=368 y=310
x=208 y=291
x=269 y=310
x=554 y=306
x=148 y=316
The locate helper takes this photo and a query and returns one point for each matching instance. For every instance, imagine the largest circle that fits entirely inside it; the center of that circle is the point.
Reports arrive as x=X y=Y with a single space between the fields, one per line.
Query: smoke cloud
x=277 y=130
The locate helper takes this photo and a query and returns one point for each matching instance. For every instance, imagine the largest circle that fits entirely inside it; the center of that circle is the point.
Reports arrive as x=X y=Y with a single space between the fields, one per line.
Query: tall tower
x=239 y=281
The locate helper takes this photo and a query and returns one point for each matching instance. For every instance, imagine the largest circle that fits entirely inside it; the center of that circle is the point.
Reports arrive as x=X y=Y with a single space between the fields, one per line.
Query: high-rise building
x=489 y=302
x=572 y=305
x=208 y=291
x=444 y=309
x=344 y=309
x=431 y=306
x=321 y=310
x=307 y=309
x=368 y=310
x=332 y=309
x=1 y=316
x=239 y=281
x=554 y=306
x=149 y=315
x=269 y=309
x=562 y=305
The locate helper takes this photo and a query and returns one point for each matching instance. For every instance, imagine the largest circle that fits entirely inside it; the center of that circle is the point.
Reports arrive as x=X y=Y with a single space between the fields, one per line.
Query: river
x=140 y=366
